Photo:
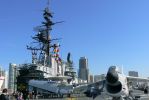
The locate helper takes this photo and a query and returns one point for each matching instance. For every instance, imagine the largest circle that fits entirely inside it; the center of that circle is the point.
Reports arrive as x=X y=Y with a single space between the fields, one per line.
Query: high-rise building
x=83 y=69
x=12 y=77
x=91 y=79
x=133 y=73
x=5 y=84
x=3 y=79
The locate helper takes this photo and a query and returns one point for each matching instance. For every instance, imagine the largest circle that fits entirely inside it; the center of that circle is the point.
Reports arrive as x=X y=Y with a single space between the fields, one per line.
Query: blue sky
x=107 y=32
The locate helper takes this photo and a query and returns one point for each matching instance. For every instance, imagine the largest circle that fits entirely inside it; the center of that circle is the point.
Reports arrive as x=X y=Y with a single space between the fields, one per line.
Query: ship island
x=47 y=74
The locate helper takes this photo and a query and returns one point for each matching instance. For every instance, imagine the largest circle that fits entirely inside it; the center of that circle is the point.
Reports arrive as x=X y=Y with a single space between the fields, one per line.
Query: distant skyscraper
x=91 y=79
x=83 y=69
x=4 y=83
x=12 y=77
x=133 y=73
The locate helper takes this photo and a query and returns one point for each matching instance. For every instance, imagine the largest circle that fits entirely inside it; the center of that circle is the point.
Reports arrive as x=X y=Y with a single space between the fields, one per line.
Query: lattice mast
x=43 y=40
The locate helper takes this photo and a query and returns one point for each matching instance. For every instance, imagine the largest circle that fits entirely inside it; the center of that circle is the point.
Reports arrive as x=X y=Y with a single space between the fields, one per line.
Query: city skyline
x=106 y=32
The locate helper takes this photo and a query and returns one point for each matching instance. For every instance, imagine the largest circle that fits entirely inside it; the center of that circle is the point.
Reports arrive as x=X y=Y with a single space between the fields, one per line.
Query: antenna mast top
x=48 y=3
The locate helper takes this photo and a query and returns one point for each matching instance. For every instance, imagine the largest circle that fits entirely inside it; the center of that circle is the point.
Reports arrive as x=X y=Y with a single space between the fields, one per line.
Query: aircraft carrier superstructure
x=46 y=63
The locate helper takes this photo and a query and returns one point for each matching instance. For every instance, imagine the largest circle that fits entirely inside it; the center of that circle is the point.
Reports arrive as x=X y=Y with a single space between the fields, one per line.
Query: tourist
x=20 y=96
x=25 y=94
x=4 y=95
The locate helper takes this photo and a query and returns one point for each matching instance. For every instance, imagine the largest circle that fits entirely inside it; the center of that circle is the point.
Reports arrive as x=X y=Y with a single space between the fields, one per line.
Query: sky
x=107 y=32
